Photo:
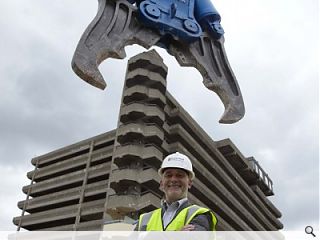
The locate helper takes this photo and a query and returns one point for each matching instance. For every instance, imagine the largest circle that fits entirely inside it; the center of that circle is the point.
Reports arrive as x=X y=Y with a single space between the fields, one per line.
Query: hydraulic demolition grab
x=189 y=30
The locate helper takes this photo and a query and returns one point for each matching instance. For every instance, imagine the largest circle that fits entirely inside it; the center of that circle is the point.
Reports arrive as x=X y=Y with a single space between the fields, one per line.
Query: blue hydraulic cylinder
x=173 y=17
x=208 y=18
x=182 y=19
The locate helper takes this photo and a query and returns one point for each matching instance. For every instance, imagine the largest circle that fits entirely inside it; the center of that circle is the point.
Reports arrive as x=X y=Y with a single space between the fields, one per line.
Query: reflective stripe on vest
x=152 y=221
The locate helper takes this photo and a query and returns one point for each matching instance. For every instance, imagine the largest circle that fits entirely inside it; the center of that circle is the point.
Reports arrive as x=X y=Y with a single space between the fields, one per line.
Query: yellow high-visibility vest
x=153 y=220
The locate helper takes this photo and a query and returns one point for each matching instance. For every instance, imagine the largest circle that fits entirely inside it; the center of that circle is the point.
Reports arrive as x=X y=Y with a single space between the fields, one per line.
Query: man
x=176 y=213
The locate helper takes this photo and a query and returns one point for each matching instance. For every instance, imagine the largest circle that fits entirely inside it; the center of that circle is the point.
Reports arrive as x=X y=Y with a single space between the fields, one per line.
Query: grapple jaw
x=117 y=25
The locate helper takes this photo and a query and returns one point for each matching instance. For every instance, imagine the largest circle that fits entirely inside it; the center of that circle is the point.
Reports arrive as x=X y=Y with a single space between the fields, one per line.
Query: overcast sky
x=272 y=46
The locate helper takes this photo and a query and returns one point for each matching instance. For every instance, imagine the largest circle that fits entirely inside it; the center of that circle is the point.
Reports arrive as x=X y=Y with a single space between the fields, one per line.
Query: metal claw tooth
x=88 y=72
x=232 y=114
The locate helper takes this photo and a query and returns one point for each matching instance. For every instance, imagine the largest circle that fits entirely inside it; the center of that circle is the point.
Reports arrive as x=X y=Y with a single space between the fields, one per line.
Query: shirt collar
x=177 y=203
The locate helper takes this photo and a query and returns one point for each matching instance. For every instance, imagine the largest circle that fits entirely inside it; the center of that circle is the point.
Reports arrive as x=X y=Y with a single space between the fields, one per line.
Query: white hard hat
x=177 y=160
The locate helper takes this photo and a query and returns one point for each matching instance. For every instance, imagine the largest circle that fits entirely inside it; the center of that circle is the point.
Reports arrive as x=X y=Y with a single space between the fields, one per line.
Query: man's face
x=175 y=184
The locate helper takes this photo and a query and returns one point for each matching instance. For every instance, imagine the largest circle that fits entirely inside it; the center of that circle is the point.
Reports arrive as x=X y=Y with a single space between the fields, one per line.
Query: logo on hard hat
x=178 y=159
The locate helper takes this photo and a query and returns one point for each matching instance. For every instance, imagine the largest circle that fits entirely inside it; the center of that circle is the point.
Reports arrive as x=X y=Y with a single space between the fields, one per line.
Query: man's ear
x=190 y=183
x=161 y=185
